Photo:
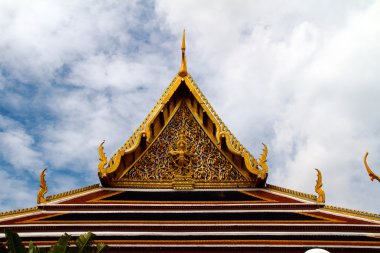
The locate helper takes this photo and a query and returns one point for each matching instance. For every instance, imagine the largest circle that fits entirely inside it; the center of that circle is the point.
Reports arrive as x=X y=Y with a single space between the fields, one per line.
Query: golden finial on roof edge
x=183 y=69
x=102 y=159
x=318 y=188
x=371 y=175
x=43 y=188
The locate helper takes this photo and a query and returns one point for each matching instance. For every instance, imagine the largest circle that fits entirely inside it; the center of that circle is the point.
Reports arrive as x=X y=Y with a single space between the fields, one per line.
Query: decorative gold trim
x=293 y=193
x=72 y=192
x=221 y=130
x=18 y=211
x=43 y=188
x=319 y=216
x=352 y=212
x=102 y=160
x=155 y=139
x=371 y=175
x=244 y=173
x=318 y=187
x=264 y=200
x=183 y=69
x=169 y=185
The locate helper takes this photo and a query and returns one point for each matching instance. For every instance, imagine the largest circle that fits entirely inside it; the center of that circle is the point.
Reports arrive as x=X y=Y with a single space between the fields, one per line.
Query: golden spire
x=371 y=175
x=183 y=70
x=318 y=187
x=43 y=188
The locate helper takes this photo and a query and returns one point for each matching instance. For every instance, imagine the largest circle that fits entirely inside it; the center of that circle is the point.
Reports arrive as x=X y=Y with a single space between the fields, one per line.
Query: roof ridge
x=71 y=192
x=352 y=211
x=291 y=192
x=19 y=211
x=131 y=141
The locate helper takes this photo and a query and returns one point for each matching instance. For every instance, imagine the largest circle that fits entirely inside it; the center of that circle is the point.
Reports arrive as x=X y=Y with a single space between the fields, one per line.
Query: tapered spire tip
x=183 y=69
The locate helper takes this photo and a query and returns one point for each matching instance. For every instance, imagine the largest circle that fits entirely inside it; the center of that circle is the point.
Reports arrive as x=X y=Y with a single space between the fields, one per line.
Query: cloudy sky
x=301 y=76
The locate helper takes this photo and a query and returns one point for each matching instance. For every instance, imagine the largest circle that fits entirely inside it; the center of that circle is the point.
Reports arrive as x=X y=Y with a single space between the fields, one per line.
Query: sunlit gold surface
x=183 y=69
x=290 y=192
x=318 y=187
x=184 y=154
x=43 y=188
x=221 y=134
x=102 y=160
x=72 y=192
x=372 y=175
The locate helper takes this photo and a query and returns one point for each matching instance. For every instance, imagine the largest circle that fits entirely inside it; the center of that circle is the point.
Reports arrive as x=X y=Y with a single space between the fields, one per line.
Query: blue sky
x=301 y=76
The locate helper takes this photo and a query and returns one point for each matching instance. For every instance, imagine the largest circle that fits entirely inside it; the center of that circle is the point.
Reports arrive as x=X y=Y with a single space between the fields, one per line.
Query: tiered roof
x=183 y=182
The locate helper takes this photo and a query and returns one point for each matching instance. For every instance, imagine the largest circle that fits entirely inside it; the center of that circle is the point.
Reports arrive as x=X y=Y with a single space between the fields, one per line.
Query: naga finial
x=372 y=175
x=318 y=187
x=263 y=161
x=102 y=158
x=43 y=188
x=183 y=69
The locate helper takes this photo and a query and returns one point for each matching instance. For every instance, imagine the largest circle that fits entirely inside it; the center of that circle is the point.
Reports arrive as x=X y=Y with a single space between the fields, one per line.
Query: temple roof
x=223 y=204
x=166 y=220
x=182 y=90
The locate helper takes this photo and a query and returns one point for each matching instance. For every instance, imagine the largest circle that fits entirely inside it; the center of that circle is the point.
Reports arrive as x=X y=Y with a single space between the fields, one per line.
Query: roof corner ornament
x=43 y=188
x=371 y=175
x=183 y=69
x=262 y=162
x=318 y=188
x=113 y=163
x=102 y=159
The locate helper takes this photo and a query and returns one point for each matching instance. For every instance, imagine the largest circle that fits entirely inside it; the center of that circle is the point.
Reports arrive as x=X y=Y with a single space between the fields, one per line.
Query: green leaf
x=14 y=242
x=33 y=248
x=62 y=244
x=84 y=242
x=101 y=247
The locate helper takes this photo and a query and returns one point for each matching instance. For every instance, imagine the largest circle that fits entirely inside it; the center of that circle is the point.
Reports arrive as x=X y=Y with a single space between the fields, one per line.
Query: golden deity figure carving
x=43 y=188
x=182 y=157
x=371 y=174
x=318 y=187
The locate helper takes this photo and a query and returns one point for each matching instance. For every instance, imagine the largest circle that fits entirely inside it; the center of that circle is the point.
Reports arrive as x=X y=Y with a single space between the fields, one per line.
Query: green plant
x=84 y=244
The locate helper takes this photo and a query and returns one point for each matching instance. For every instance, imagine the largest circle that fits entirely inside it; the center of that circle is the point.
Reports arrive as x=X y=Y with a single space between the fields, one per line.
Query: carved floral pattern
x=183 y=150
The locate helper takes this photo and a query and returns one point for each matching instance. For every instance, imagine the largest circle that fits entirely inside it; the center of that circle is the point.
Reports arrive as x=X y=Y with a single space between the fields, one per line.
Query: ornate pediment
x=160 y=153
x=184 y=156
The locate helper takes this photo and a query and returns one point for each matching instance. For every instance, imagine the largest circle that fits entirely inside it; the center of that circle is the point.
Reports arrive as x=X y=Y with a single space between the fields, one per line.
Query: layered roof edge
x=58 y=198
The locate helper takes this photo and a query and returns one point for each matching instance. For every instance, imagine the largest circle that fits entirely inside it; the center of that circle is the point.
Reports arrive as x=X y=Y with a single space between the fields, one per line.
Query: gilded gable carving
x=183 y=152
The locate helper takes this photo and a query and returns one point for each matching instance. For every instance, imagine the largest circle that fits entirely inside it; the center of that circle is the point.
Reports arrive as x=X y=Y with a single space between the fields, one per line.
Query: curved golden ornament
x=318 y=187
x=143 y=131
x=102 y=159
x=115 y=161
x=251 y=163
x=263 y=162
x=43 y=188
x=372 y=175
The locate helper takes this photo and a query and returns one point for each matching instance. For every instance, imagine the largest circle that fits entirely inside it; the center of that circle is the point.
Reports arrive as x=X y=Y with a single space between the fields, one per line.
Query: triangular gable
x=182 y=89
x=184 y=156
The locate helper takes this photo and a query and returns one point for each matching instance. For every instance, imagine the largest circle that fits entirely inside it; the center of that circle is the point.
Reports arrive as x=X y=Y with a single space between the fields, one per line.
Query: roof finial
x=43 y=188
x=372 y=175
x=183 y=70
x=318 y=187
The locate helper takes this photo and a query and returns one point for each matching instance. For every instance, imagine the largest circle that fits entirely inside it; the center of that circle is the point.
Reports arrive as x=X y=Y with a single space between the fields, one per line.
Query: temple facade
x=183 y=183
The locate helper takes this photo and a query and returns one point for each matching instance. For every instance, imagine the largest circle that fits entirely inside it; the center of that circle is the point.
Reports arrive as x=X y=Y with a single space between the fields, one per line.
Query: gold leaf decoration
x=184 y=151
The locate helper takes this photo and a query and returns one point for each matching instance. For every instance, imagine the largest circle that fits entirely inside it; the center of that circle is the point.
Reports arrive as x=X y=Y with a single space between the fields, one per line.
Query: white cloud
x=17 y=146
x=39 y=38
x=303 y=78
x=22 y=196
